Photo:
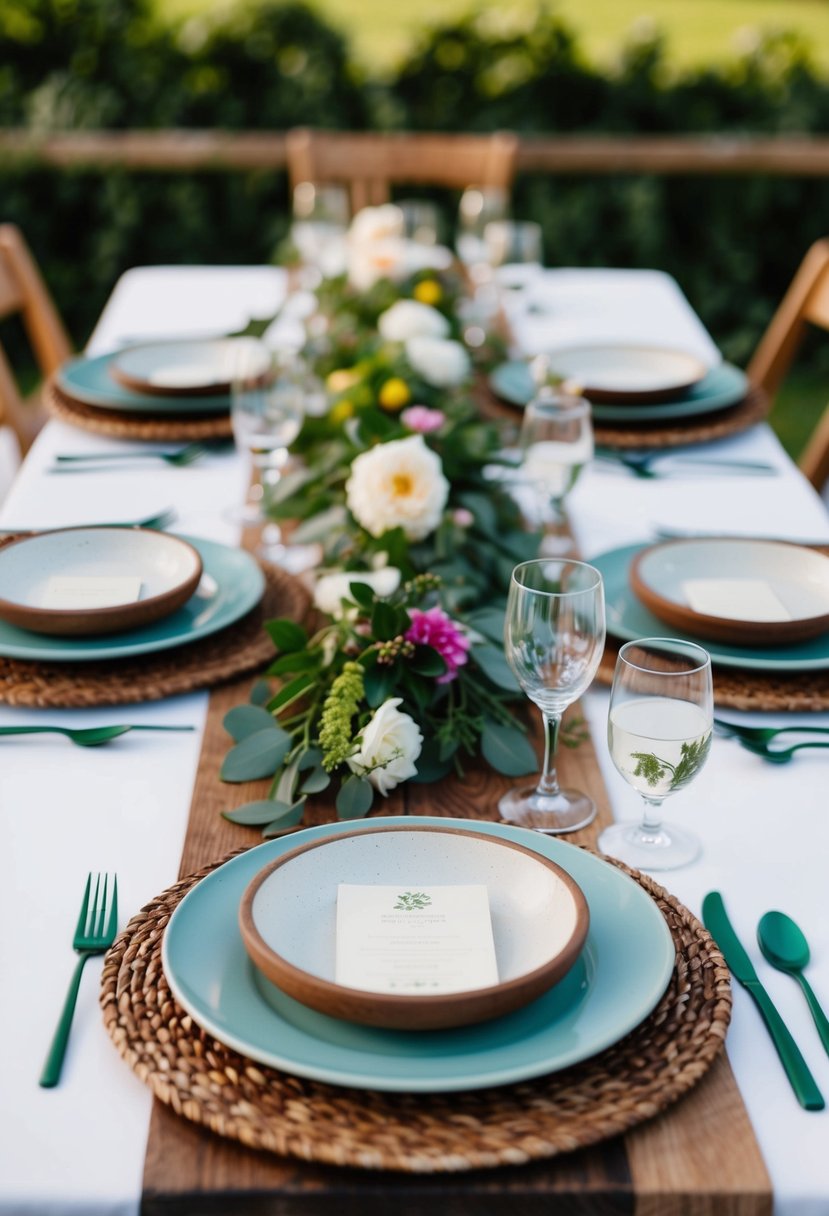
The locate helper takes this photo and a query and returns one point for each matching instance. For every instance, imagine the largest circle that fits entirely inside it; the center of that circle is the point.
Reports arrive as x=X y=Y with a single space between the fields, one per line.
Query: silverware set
x=643 y=464
x=88 y=462
x=759 y=739
x=783 y=944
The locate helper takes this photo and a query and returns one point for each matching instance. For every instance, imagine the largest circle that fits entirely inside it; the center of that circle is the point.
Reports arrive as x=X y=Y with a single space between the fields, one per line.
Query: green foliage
x=732 y=243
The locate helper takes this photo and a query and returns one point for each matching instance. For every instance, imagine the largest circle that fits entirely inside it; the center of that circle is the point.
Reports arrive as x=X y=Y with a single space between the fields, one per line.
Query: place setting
x=643 y=397
x=760 y=608
x=103 y=615
x=167 y=390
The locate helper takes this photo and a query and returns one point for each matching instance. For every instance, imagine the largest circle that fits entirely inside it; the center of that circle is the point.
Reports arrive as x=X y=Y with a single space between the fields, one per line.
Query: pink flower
x=421 y=419
x=434 y=628
x=462 y=517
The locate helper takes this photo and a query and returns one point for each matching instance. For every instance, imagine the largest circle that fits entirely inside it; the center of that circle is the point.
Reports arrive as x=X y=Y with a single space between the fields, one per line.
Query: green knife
x=715 y=919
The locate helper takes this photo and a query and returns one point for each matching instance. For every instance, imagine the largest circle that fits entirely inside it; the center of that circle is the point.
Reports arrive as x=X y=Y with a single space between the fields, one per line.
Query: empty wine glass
x=321 y=216
x=554 y=638
x=556 y=442
x=420 y=220
x=477 y=208
x=267 y=408
x=514 y=247
x=659 y=733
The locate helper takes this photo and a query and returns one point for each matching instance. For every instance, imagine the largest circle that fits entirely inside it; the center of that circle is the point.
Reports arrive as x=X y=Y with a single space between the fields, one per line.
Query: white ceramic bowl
x=288 y=920
x=792 y=576
x=169 y=570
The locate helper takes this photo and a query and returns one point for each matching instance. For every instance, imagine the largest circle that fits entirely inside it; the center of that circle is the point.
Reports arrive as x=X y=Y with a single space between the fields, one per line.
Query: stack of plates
x=617 y=978
x=770 y=605
x=629 y=384
x=175 y=379
x=188 y=588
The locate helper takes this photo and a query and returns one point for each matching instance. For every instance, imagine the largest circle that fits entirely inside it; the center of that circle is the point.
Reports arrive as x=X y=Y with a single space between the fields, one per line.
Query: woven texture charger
x=239 y=648
x=792 y=691
x=217 y=1088
x=143 y=427
x=753 y=408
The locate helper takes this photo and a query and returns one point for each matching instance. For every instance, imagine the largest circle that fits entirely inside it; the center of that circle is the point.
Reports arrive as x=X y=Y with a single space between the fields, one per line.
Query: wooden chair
x=369 y=163
x=23 y=292
x=805 y=302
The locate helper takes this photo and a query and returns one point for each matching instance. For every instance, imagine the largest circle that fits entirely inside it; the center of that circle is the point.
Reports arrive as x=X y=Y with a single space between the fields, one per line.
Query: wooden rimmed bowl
x=797 y=577
x=169 y=570
x=539 y=919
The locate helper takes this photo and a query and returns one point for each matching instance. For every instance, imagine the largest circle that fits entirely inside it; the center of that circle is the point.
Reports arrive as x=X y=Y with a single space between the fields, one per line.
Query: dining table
x=98 y=1143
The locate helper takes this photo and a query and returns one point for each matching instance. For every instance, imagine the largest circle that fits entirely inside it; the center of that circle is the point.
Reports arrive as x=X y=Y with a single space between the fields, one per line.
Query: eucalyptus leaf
x=261 y=693
x=289 y=484
x=254 y=814
x=508 y=749
x=258 y=755
x=431 y=766
x=355 y=798
x=309 y=759
x=289 y=818
x=286 y=786
x=493 y=664
x=490 y=622
x=244 y=720
x=286 y=635
x=317 y=781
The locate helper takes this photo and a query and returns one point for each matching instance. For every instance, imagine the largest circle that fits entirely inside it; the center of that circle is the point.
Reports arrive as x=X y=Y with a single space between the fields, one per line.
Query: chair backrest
x=23 y=291
x=806 y=302
x=369 y=163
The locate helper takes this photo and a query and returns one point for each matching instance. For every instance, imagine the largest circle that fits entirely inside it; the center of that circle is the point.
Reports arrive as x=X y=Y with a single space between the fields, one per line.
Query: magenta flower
x=422 y=420
x=434 y=628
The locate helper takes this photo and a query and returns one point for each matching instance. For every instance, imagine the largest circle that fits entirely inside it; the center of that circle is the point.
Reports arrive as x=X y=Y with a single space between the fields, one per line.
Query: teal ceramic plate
x=231 y=584
x=619 y=977
x=628 y=619
x=91 y=382
x=723 y=386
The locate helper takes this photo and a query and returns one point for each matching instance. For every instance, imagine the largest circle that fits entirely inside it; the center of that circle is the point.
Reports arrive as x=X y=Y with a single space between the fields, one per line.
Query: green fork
x=180 y=457
x=94 y=933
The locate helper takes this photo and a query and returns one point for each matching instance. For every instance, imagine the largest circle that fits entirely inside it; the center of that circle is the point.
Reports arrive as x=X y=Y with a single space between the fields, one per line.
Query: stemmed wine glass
x=321 y=216
x=554 y=638
x=267 y=409
x=556 y=441
x=659 y=733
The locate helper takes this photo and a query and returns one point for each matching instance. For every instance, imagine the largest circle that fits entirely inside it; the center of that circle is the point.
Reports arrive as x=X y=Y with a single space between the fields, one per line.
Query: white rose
x=389 y=746
x=375 y=260
x=332 y=589
x=376 y=224
x=410 y=319
x=398 y=485
x=439 y=361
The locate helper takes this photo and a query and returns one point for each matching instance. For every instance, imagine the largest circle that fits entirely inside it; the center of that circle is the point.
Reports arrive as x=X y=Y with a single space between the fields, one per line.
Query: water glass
x=420 y=220
x=553 y=639
x=659 y=734
x=513 y=243
x=321 y=217
x=478 y=207
x=556 y=442
x=267 y=409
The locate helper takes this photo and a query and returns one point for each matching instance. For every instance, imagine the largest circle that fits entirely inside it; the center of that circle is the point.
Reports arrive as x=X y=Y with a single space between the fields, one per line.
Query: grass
x=799 y=404
x=698 y=32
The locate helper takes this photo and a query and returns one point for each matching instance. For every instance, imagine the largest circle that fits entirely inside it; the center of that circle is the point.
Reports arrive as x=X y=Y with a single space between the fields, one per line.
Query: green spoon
x=88 y=736
x=785 y=947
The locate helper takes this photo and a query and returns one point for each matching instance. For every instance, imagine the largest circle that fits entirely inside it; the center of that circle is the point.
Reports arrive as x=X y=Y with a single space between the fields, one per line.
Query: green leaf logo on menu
x=411 y=901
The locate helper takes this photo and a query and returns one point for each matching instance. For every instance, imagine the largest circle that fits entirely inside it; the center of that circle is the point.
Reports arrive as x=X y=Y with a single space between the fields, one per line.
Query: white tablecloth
x=80 y=1148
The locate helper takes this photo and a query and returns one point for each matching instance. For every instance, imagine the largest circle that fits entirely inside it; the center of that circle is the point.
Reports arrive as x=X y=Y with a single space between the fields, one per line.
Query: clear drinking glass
x=420 y=220
x=478 y=207
x=659 y=734
x=267 y=408
x=321 y=217
x=553 y=638
x=513 y=243
x=556 y=442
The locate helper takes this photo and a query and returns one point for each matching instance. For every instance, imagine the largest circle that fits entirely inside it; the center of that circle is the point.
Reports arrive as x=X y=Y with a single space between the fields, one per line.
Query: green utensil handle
x=31 y=730
x=797 y=1070
x=54 y=1060
x=821 y=1020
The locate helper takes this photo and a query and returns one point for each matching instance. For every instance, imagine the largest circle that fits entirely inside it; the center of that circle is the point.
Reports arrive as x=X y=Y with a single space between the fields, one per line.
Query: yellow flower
x=429 y=291
x=342 y=410
x=342 y=380
x=394 y=394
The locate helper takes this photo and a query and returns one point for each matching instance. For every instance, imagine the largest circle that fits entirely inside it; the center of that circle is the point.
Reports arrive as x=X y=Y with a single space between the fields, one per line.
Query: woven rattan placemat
x=144 y=427
x=217 y=1088
x=734 y=688
x=239 y=648
x=753 y=408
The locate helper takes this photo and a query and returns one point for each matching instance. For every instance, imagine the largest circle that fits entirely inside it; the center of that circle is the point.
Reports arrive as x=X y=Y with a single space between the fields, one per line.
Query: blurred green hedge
x=732 y=243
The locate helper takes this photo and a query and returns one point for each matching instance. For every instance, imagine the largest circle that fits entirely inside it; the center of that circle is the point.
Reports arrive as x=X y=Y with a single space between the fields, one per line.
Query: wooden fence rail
x=222 y=151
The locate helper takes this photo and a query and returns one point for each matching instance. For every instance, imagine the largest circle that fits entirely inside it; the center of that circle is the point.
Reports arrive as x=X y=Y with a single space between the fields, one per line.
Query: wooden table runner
x=699 y=1158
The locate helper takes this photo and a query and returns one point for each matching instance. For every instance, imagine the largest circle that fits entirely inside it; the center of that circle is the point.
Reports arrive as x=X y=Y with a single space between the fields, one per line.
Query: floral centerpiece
x=402 y=484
